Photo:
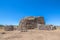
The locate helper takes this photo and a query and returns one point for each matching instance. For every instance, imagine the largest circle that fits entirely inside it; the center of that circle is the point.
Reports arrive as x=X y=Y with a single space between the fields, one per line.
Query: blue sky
x=11 y=11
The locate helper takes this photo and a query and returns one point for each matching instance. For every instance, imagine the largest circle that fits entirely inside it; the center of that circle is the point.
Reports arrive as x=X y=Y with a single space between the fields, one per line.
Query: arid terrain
x=31 y=35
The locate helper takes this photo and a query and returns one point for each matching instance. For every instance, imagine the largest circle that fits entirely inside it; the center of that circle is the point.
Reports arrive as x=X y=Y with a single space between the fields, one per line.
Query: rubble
x=9 y=28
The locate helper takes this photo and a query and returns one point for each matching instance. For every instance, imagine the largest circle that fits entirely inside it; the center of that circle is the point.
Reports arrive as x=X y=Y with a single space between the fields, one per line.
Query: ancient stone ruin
x=31 y=22
x=9 y=28
x=34 y=22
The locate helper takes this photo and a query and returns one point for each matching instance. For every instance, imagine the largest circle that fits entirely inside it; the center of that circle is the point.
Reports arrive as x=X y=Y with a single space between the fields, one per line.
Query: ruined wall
x=22 y=25
x=34 y=22
x=31 y=22
x=9 y=28
x=40 y=20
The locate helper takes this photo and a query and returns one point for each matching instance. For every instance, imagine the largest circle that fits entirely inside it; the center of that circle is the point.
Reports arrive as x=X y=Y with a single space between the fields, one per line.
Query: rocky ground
x=31 y=35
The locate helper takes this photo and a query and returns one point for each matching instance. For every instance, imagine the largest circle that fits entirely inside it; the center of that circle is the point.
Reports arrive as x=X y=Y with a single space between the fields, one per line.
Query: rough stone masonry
x=34 y=22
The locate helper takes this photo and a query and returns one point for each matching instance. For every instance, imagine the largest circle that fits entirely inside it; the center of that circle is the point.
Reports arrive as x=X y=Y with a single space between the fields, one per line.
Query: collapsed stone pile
x=46 y=27
x=8 y=28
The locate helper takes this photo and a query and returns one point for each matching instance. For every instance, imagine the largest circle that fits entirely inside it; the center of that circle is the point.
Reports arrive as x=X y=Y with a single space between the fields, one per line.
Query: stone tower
x=30 y=22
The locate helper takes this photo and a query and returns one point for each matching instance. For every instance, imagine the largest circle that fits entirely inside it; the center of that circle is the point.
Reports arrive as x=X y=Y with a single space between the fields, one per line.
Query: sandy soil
x=31 y=35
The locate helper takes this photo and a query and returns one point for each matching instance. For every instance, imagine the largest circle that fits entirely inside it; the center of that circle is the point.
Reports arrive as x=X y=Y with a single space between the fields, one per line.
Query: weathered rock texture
x=34 y=22
x=30 y=22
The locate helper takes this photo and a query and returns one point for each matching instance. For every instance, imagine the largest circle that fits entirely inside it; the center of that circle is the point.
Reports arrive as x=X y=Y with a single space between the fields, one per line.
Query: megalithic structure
x=30 y=22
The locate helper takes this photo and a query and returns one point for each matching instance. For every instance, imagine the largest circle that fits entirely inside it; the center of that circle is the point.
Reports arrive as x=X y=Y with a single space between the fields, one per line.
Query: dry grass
x=31 y=35
x=1 y=30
